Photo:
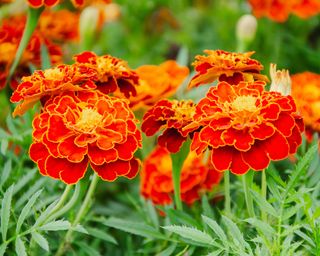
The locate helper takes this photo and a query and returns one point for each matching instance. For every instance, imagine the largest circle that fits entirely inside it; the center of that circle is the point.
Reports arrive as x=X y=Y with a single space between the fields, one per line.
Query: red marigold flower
x=173 y=116
x=157 y=82
x=246 y=127
x=306 y=92
x=10 y=35
x=75 y=129
x=113 y=73
x=226 y=66
x=306 y=8
x=43 y=84
x=156 y=177
x=59 y=25
x=40 y=3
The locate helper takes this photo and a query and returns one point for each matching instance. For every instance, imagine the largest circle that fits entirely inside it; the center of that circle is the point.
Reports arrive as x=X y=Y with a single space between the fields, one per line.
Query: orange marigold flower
x=10 y=36
x=43 y=84
x=113 y=73
x=59 y=25
x=306 y=8
x=156 y=177
x=174 y=116
x=158 y=82
x=75 y=129
x=226 y=66
x=246 y=127
x=306 y=92
x=51 y=3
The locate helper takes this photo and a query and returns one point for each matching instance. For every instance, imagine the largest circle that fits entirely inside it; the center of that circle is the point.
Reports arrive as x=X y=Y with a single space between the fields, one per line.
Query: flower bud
x=88 y=24
x=280 y=80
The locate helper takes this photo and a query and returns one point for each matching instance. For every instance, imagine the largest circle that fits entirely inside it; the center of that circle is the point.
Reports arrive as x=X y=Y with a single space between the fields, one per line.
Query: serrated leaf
x=215 y=253
x=6 y=172
x=56 y=225
x=191 y=233
x=20 y=247
x=101 y=235
x=24 y=180
x=290 y=211
x=3 y=249
x=5 y=211
x=135 y=228
x=263 y=204
x=207 y=209
x=40 y=240
x=45 y=213
x=217 y=230
x=26 y=209
x=4 y=146
x=235 y=231
x=152 y=213
x=79 y=228
x=305 y=237
x=168 y=251
x=261 y=225
x=180 y=217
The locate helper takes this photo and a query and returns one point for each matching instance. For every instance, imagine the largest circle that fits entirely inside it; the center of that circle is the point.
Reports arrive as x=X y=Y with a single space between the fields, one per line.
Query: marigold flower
x=43 y=84
x=10 y=36
x=306 y=92
x=226 y=66
x=156 y=177
x=75 y=129
x=157 y=82
x=113 y=73
x=51 y=3
x=306 y=8
x=246 y=127
x=173 y=116
x=59 y=25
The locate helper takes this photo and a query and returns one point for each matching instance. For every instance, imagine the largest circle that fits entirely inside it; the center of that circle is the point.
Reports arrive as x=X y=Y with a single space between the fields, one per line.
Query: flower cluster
x=156 y=177
x=10 y=35
x=226 y=66
x=78 y=128
x=279 y=10
x=157 y=82
x=306 y=92
x=243 y=125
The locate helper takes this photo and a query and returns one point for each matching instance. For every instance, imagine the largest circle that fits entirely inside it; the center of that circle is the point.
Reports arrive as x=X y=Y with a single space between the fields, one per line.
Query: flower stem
x=263 y=193
x=247 y=183
x=32 y=21
x=81 y=213
x=177 y=163
x=227 y=198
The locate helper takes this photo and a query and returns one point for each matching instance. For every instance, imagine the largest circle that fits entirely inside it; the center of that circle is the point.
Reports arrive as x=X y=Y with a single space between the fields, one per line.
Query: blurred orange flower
x=43 y=84
x=226 y=66
x=306 y=92
x=173 y=116
x=156 y=177
x=10 y=35
x=59 y=25
x=246 y=127
x=157 y=82
x=51 y=3
x=113 y=74
x=279 y=10
x=75 y=129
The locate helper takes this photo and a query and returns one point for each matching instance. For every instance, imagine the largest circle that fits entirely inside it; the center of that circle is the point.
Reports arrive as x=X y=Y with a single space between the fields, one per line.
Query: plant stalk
x=247 y=184
x=263 y=193
x=227 y=198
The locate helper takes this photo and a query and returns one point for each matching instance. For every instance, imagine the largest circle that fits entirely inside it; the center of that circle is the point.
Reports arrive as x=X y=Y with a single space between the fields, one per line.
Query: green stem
x=32 y=21
x=177 y=163
x=263 y=193
x=227 y=198
x=247 y=184
x=81 y=213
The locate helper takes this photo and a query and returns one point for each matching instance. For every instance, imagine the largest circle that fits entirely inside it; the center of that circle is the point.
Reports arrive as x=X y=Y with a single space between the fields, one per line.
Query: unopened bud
x=280 y=80
x=246 y=28
x=88 y=23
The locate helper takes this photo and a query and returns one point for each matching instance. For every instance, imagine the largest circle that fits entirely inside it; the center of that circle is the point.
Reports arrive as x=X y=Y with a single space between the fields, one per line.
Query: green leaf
x=24 y=180
x=3 y=249
x=56 y=225
x=45 y=57
x=26 y=209
x=101 y=235
x=5 y=211
x=89 y=250
x=290 y=211
x=152 y=213
x=261 y=225
x=263 y=204
x=168 y=251
x=217 y=230
x=4 y=146
x=40 y=240
x=79 y=228
x=180 y=217
x=301 y=167
x=215 y=253
x=305 y=237
x=191 y=233
x=20 y=247
x=135 y=228
x=6 y=172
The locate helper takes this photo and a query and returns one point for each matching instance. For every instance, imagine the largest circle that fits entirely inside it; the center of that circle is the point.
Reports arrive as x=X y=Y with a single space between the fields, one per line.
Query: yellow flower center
x=88 y=120
x=247 y=103
x=54 y=74
x=184 y=110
